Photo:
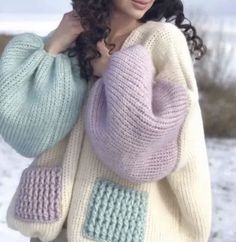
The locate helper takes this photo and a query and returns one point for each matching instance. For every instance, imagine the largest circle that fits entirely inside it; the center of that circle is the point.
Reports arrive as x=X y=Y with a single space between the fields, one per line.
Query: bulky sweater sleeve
x=40 y=94
x=136 y=111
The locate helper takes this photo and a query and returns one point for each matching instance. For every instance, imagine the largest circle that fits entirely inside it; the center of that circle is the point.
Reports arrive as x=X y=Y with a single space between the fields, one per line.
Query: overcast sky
x=213 y=7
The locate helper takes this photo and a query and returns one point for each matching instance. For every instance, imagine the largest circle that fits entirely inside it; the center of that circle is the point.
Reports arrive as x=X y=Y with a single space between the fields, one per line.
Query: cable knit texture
x=41 y=202
x=40 y=96
x=107 y=222
x=135 y=165
x=132 y=120
x=39 y=199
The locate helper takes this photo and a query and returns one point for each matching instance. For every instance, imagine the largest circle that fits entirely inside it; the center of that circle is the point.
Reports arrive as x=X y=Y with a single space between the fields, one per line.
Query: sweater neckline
x=129 y=39
x=133 y=32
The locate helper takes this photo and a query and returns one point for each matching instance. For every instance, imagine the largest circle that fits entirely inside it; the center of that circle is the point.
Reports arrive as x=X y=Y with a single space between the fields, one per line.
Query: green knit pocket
x=116 y=213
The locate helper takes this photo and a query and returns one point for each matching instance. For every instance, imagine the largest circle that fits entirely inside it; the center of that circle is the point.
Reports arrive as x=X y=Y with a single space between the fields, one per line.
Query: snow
x=221 y=153
x=11 y=166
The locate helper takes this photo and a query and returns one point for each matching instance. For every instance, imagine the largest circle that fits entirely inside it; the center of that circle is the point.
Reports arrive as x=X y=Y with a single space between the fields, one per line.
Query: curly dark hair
x=94 y=15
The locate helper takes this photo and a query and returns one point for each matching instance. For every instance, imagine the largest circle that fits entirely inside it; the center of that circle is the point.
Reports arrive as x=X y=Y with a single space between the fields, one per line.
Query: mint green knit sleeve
x=41 y=94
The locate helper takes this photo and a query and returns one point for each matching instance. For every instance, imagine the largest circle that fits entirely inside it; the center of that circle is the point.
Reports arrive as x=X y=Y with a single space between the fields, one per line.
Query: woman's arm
x=40 y=95
x=134 y=116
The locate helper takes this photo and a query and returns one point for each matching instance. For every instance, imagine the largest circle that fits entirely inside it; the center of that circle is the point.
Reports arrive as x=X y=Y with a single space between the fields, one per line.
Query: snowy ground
x=222 y=158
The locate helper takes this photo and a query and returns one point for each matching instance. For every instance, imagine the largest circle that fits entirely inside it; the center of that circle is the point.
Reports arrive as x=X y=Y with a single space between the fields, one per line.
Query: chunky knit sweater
x=134 y=167
x=41 y=95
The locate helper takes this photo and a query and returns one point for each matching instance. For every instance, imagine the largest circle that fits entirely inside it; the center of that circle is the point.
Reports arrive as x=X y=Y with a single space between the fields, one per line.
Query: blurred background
x=215 y=22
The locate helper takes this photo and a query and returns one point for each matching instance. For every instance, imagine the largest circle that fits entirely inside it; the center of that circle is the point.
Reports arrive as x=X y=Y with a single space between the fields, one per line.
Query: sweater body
x=176 y=208
x=108 y=205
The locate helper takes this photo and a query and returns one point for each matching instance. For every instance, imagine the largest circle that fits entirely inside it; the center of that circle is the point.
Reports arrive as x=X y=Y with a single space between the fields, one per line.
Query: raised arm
x=40 y=95
x=134 y=115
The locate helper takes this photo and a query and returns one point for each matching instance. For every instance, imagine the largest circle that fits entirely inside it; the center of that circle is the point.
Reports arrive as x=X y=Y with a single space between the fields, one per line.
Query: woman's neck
x=121 y=25
x=119 y=34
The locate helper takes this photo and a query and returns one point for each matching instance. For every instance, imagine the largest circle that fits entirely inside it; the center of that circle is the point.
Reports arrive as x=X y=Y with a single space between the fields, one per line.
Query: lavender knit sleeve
x=133 y=120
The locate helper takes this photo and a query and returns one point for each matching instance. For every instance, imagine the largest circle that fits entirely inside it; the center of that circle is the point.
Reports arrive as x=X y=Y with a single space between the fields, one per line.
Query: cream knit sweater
x=102 y=189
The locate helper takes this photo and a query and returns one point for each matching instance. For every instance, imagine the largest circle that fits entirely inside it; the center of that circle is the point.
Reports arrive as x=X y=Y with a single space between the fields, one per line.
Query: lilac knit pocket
x=39 y=197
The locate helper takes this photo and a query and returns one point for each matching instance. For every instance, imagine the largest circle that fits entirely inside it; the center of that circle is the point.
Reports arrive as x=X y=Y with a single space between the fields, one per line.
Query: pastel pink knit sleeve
x=133 y=120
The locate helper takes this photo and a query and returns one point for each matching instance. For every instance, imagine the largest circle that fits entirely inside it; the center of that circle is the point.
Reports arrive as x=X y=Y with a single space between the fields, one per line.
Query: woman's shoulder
x=164 y=38
x=166 y=31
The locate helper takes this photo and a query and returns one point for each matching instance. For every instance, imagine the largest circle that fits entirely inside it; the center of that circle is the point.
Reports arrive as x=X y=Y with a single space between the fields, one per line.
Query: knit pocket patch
x=39 y=197
x=116 y=213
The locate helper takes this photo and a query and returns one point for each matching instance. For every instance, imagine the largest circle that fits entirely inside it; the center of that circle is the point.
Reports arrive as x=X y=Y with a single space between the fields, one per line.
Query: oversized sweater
x=134 y=167
x=41 y=95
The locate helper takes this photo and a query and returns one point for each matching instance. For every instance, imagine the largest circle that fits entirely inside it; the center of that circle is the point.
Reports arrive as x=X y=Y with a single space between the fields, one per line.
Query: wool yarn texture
x=134 y=167
x=133 y=121
x=41 y=95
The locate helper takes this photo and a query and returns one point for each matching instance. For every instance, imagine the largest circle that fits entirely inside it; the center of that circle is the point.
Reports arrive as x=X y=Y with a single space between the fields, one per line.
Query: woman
x=132 y=164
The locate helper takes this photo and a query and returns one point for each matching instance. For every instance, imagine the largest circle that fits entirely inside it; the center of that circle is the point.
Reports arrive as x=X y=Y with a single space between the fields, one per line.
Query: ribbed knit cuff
x=133 y=120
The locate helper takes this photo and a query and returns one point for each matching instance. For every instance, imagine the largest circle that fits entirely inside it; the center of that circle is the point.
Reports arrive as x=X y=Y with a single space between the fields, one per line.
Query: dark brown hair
x=94 y=15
